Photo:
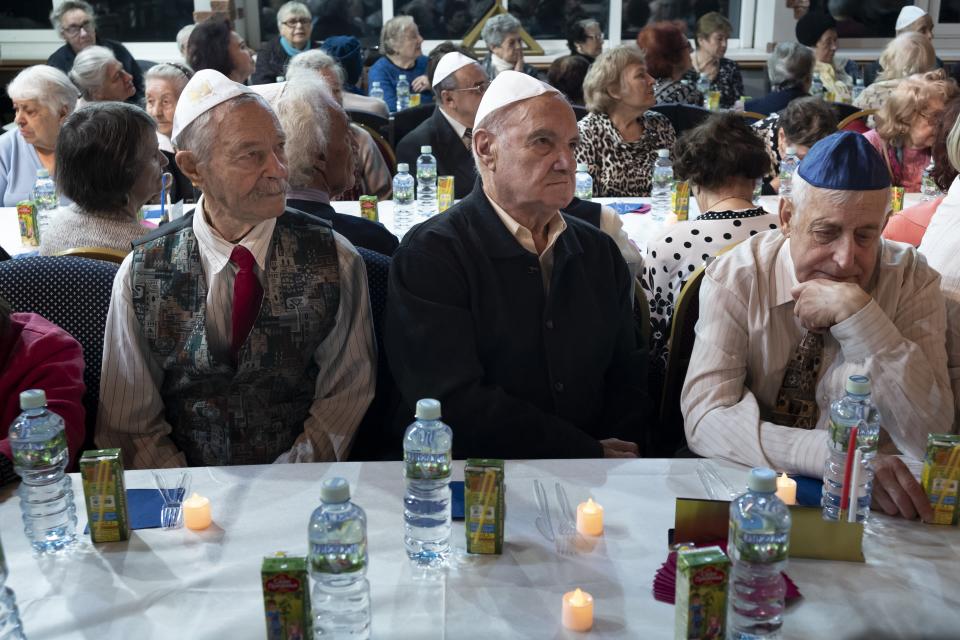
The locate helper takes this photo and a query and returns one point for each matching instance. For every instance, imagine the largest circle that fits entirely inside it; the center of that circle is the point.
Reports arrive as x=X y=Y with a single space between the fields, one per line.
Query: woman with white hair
x=100 y=77
x=912 y=19
x=295 y=25
x=906 y=55
x=164 y=84
x=501 y=33
x=790 y=69
x=401 y=46
x=42 y=97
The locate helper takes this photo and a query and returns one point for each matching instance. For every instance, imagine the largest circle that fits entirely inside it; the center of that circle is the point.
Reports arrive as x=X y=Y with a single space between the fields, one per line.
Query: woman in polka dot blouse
x=722 y=159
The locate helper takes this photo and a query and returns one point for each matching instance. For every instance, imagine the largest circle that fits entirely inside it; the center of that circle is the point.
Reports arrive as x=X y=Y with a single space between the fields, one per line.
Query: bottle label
x=338 y=558
x=39 y=455
x=761 y=547
x=840 y=438
x=426 y=466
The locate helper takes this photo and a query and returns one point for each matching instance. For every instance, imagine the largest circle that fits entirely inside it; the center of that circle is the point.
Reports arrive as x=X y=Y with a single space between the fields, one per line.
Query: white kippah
x=449 y=64
x=206 y=89
x=509 y=87
x=908 y=15
x=271 y=92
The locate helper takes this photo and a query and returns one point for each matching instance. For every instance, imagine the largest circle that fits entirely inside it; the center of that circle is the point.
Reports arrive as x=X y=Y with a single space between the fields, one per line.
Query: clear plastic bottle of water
x=404 y=207
x=427 y=183
x=788 y=166
x=10 y=625
x=584 y=183
x=376 y=91
x=662 y=188
x=403 y=92
x=928 y=187
x=853 y=409
x=703 y=86
x=40 y=458
x=337 y=539
x=816 y=87
x=857 y=89
x=45 y=198
x=427 y=463
x=757 y=545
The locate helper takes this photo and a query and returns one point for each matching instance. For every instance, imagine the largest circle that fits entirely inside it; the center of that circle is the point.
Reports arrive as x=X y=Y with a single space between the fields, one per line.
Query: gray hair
x=292 y=8
x=605 y=72
x=200 y=136
x=176 y=74
x=90 y=69
x=907 y=54
x=803 y=193
x=953 y=145
x=305 y=110
x=309 y=63
x=183 y=37
x=392 y=32
x=497 y=28
x=47 y=85
x=69 y=5
x=790 y=65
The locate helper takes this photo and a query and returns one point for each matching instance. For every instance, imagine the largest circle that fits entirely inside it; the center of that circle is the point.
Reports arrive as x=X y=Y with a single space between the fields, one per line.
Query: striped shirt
x=747 y=332
x=131 y=412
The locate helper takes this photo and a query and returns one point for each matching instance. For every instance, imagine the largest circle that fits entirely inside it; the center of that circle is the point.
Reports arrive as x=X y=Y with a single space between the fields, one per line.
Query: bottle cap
x=762 y=480
x=428 y=409
x=335 y=490
x=858 y=385
x=704 y=76
x=402 y=76
x=426 y=149
x=663 y=153
x=403 y=167
x=43 y=173
x=791 y=150
x=582 y=167
x=375 y=83
x=33 y=399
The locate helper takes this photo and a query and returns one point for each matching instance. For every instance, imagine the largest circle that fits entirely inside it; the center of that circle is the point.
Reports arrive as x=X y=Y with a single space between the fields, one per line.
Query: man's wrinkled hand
x=613 y=448
x=896 y=492
x=820 y=303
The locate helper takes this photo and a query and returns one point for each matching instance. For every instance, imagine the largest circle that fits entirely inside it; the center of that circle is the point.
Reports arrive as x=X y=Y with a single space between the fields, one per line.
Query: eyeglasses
x=293 y=22
x=74 y=29
x=480 y=87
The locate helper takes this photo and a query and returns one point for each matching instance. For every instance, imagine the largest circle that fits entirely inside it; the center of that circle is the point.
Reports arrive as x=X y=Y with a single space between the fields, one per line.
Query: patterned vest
x=250 y=413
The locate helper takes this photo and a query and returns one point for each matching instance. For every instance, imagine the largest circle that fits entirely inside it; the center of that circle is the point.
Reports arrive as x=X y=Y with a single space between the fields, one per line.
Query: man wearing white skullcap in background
x=516 y=317
x=459 y=83
x=240 y=334
x=912 y=19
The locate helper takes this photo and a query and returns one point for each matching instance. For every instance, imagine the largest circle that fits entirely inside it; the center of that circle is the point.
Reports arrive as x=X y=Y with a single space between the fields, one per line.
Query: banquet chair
x=579 y=111
x=74 y=294
x=842 y=109
x=750 y=116
x=856 y=121
x=405 y=121
x=682 y=116
x=369 y=121
x=389 y=155
x=96 y=253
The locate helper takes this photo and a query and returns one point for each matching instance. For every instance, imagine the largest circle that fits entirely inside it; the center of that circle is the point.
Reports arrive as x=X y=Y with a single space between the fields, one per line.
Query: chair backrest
x=856 y=121
x=96 y=253
x=641 y=313
x=405 y=121
x=750 y=116
x=74 y=294
x=389 y=155
x=842 y=109
x=682 y=116
x=371 y=121
x=579 y=111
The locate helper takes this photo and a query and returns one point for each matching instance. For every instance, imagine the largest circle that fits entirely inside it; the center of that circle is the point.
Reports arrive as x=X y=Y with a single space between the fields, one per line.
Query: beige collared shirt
x=555 y=227
x=747 y=332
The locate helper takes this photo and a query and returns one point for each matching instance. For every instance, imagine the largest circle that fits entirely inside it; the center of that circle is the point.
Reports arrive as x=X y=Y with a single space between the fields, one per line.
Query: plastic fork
x=173 y=487
x=569 y=541
x=544 y=525
x=716 y=486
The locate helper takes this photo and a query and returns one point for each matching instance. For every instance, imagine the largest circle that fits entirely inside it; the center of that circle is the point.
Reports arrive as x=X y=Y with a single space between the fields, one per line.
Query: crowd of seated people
x=517 y=307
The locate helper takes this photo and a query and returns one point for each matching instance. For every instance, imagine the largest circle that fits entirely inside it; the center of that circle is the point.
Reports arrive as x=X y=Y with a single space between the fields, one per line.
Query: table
x=173 y=584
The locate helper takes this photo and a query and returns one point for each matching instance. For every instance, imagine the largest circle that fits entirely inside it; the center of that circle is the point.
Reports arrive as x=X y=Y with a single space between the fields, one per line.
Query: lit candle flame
x=577 y=598
x=590 y=507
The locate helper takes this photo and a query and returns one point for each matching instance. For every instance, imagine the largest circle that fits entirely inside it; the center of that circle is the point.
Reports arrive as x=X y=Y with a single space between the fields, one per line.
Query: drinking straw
x=103 y=470
x=854 y=485
x=847 y=470
x=486 y=492
x=953 y=466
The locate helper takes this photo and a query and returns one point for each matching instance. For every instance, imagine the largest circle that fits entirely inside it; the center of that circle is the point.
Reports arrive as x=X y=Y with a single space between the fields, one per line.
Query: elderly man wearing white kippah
x=240 y=334
x=516 y=317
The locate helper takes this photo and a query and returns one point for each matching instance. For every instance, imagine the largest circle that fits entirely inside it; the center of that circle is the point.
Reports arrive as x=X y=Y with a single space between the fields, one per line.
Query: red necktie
x=247 y=295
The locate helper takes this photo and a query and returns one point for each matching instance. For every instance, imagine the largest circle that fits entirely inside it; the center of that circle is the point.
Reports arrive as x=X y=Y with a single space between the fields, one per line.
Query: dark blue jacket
x=359 y=231
x=63 y=59
x=774 y=102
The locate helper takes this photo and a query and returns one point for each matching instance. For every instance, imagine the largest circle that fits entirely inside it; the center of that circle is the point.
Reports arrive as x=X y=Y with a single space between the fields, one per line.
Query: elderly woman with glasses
x=42 y=97
x=713 y=31
x=668 y=61
x=75 y=22
x=401 y=45
x=501 y=33
x=295 y=24
x=620 y=136
x=819 y=32
x=100 y=77
x=585 y=39
x=907 y=125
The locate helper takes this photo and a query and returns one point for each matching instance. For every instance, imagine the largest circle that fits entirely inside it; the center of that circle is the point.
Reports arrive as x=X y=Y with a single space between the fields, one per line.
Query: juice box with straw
x=444 y=193
x=286 y=597
x=701 y=596
x=941 y=476
x=680 y=199
x=104 y=490
x=484 y=506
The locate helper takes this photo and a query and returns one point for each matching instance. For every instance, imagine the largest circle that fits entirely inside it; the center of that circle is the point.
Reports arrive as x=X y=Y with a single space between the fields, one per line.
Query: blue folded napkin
x=629 y=207
x=143 y=509
x=456 y=500
x=809 y=491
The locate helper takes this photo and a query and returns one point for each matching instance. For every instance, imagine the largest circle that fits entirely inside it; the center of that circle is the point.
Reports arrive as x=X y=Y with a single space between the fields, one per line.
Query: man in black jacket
x=516 y=317
x=459 y=83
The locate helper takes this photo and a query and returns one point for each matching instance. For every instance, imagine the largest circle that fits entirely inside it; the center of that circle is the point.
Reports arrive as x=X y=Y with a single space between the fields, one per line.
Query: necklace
x=713 y=207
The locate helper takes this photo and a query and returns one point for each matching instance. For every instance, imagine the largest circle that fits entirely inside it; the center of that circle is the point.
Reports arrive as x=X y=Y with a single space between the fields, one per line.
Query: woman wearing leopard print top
x=619 y=138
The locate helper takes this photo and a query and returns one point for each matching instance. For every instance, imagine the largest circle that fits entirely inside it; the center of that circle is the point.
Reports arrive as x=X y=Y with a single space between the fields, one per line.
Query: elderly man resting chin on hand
x=789 y=315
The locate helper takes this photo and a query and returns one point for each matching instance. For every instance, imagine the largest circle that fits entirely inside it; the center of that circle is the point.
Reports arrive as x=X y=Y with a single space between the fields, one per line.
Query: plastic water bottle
x=928 y=187
x=376 y=91
x=857 y=89
x=403 y=93
x=788 y=166
x=40 y=458
x=662 y=185
x=337 y=539
x=584 y=183
x=10 y=625
x=427 y=183
x=404 y=208
x=816 y=87
x=855 y=409
x=757 y=545
x=45 y=198
x=703 y=86
x=426 y=506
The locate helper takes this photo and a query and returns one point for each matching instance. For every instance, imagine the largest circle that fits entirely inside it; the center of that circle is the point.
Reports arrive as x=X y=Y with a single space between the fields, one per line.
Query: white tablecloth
x=184 y=584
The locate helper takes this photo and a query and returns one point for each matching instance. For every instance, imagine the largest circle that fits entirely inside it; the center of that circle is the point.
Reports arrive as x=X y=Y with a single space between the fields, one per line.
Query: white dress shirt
x=941 y=246
x=747 y=332
x=131 y=412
